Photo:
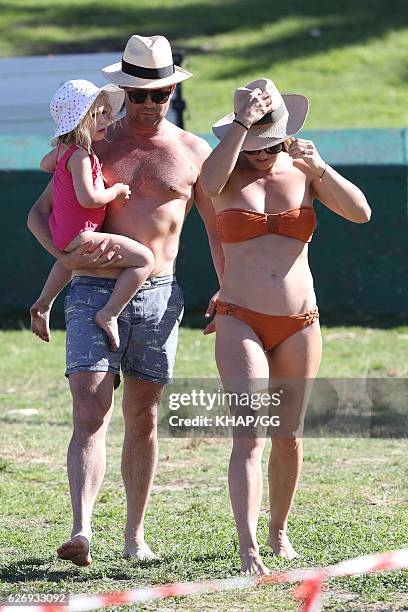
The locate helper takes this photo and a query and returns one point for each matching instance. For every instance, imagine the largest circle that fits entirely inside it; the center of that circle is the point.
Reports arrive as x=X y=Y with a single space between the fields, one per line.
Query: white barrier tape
x=309 y=591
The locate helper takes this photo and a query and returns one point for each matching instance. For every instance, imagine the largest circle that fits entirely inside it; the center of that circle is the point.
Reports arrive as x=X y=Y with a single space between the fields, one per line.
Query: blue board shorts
x=148 y=329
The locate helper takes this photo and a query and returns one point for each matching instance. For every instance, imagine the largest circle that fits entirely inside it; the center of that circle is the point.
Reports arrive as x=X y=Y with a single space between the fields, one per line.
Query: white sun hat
x=73 y=100
x=147 y=63
x=287 y=117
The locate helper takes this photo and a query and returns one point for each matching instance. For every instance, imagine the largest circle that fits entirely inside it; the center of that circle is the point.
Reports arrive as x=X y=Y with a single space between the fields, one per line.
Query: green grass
x=354 y=72
x=352 y=497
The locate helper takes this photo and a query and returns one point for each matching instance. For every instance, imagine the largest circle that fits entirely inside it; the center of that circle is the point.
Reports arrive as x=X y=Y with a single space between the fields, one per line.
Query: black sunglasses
x=270 y=150
x=138 y=96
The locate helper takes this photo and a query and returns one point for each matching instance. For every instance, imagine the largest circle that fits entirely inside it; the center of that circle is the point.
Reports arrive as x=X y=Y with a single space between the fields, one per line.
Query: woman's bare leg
x=139 y=263
x=243 y=368
x=40 y=310
x=297 y=358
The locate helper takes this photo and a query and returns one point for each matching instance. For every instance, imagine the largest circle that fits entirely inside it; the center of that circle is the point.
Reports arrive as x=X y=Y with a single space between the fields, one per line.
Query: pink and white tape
x=309 y=591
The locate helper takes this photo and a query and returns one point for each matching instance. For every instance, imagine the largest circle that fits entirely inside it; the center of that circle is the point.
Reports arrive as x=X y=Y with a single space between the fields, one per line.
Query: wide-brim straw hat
x=288 y=115
x=147 y=63
x=74 y=99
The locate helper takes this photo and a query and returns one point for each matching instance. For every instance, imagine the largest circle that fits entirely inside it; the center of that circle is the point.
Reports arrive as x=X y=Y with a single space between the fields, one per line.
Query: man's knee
x=142 y=423
x=249 y=447
x=90 y=416
x=141 y=401
x=92 y=395
x=286 y=445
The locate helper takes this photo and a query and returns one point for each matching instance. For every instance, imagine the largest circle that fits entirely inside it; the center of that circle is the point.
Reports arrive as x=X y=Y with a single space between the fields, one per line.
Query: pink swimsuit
x=68 y=218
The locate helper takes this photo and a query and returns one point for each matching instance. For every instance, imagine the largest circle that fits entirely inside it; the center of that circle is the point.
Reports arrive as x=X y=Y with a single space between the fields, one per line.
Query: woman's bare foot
x=77 y=550
x=40 y=320
x=251 y=563
x=279 y=542
x=109 y=324
x=139 y=551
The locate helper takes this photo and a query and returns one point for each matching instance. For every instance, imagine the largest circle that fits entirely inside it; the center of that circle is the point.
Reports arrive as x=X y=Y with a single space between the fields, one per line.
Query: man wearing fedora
x=161 y=163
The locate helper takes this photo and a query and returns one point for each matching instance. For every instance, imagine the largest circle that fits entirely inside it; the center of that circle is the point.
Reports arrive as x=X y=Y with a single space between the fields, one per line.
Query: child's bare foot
x=279 y=542
x=251 y=563
x=109 y=324
x=40 y=320
x=139 y=551
x=76 y=550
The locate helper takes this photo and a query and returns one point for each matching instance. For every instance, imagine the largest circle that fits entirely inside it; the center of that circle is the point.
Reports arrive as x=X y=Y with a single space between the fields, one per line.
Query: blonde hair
x=82 y=134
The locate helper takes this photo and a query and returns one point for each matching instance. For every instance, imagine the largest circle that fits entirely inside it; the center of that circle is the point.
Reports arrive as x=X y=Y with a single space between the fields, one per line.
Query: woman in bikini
x=263 y=183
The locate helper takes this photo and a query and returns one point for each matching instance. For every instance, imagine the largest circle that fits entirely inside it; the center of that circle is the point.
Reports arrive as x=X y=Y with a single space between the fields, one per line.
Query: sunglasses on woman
x=270 y=150
x=138 y=96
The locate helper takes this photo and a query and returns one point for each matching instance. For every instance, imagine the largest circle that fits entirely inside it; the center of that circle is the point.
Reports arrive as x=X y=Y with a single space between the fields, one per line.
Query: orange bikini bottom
x=270 y=329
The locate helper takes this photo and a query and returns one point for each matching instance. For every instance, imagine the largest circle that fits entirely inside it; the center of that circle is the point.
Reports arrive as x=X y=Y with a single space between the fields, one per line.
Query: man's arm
x=37 y=221
x=49 y=161
x=84 y=257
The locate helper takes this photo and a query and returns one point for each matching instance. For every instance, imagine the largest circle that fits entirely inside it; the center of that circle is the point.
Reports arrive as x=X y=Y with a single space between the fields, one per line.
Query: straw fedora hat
x=286 y=119
x=73 y=100
x=147 y=63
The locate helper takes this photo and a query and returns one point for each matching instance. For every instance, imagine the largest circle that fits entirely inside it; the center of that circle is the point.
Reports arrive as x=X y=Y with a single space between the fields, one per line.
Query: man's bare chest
x=152 y=172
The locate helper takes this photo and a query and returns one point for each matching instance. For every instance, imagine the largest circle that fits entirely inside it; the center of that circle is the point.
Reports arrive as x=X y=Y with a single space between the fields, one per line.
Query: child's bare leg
x=139 y=263
x=40 y=310
x=128 y=283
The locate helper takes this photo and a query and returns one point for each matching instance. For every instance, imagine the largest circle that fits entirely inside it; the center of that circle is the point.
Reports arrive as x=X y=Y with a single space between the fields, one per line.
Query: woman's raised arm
x=218 y=167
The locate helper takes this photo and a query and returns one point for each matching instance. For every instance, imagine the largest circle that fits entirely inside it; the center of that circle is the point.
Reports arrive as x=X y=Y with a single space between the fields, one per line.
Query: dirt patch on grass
x=20 y=455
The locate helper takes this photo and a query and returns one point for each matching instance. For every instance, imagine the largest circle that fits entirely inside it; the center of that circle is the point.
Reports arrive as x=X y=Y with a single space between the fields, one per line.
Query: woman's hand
x=210 y=312
x=254 y=104
x=336 y=192
x=306 y=150
x=250 y=106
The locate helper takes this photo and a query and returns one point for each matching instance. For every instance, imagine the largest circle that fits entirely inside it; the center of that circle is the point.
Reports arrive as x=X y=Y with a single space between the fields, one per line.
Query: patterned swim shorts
x=148 y=329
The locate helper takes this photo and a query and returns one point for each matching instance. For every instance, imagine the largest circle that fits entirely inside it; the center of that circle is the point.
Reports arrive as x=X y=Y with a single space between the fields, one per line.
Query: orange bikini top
x=237 y=224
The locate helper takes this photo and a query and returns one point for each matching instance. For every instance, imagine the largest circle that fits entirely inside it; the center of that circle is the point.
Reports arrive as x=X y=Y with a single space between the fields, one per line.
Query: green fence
x=360 y=271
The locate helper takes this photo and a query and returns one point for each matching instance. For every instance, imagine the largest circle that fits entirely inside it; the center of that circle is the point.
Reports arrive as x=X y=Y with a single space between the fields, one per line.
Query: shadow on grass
x=35 y=568
x=39 y=569
x=340 y=24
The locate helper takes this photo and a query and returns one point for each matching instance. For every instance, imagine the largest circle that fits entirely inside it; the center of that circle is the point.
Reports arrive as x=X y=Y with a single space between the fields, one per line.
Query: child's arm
x=49 y=161
x=80 y=167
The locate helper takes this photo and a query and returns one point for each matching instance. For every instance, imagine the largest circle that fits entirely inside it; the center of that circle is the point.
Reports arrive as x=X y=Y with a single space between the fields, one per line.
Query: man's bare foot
x=139 y=551
x=251 y=563
x=109 y=324
x=279 y=542
x=76 y=550
x=40 y=320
